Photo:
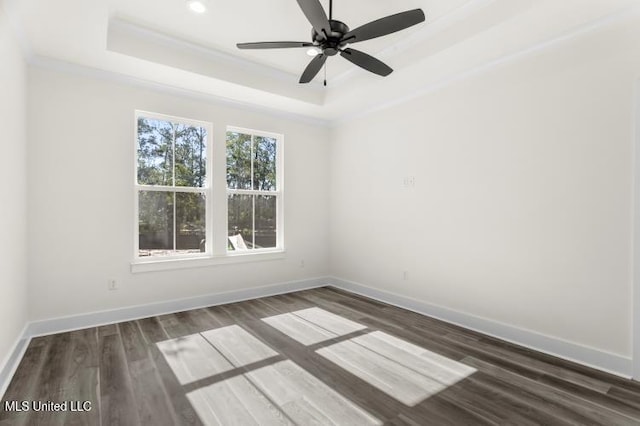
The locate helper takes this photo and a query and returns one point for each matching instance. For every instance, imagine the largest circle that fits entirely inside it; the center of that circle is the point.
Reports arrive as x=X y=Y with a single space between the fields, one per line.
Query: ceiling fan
x=331 y=37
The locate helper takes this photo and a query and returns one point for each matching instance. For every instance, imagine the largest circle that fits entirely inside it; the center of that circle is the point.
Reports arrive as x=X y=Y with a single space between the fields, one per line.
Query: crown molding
x=52 y=64
x=141 y=43
x=424 y=90
x=537 y=48
x=123 y=24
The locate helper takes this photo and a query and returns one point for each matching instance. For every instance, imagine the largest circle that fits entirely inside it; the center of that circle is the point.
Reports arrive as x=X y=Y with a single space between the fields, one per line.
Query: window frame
x=278 y=193
x=207 y=190
x=215 y=189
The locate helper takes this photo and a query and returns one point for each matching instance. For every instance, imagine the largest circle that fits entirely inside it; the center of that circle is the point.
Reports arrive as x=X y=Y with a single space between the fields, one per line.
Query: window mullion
x=175 y=197
x=158 y=188
x=251 y=154
x=173 y=156
x=175 y=230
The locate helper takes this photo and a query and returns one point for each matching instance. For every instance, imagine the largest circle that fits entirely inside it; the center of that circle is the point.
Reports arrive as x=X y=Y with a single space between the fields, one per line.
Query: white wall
x=522 y=208
x=81 y=196
x=13 y=175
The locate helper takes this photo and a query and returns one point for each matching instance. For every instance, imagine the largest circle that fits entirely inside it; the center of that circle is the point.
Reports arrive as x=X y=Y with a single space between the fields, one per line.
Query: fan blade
x=273 y=45
x=384 y=26
x=313 y=68
x=367 y=62
x=316 y=15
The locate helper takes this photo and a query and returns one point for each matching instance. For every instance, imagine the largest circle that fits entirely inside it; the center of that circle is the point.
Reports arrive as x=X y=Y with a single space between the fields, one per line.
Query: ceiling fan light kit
x=314 y=51
x=197 y=6
x=331 y=37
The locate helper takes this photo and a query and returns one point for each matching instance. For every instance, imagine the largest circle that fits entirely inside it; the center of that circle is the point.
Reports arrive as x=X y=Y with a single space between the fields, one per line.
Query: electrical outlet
x=405 y=275
x=112 y=284
x=302 y=263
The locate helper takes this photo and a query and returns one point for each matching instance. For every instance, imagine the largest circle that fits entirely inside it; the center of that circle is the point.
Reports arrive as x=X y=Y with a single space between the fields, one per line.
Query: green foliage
x=171 y=154
x=264 y=164
x=174 y=155
x=161 y=143
x=238 y=161
x=251 y=164
x=242 y=151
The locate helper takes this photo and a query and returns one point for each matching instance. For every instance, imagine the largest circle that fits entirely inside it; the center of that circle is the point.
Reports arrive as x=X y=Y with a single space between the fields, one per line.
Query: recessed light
x=314 y=51
x=197 y=6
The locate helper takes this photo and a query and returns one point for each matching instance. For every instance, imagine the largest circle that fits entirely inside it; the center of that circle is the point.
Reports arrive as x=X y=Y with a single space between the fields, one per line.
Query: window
x=172 y=187
x=180 y=218
x=254 y=190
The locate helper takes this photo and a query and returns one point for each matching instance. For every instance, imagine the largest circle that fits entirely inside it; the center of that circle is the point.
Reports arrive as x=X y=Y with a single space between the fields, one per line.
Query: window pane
x=265 y=221
x=238 y=161
x=191 y=156
x=155 y=152
x=190 y=222
x=240 y=209
x=264 y=164
x=155 y=223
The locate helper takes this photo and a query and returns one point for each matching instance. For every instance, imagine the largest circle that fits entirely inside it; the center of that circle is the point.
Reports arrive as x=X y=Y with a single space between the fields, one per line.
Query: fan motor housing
x=332 y=44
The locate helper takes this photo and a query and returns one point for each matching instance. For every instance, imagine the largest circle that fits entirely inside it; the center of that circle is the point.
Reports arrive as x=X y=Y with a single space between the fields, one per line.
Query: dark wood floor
x=318 y=356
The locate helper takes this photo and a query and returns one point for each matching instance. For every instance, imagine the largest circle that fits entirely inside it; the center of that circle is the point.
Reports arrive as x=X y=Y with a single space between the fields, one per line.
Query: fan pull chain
x=325 y=74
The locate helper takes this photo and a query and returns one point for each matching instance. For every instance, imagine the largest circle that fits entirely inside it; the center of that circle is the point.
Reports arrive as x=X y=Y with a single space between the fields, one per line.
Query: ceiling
x=163 y=42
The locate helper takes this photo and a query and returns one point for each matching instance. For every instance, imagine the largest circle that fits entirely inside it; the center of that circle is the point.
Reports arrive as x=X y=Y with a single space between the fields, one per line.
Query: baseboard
x=587 y=356
x=570 y=351
x=10 y=363
x=94 y=319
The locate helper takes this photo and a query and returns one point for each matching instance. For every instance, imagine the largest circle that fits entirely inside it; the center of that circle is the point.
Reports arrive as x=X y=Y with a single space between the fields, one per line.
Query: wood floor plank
x=363 y=394
x=132 y=341
x=23 y=387
x=600 y=414
x=81 y=379
x=51 y=382
x=306 y=399
x=236 y=401
x=152 y=330
x=544 y=367
x=299 y=329
x=396 y=380
x=238 y=345
x=518 y=402
x=320 y=356
x=193 y=358
x=117 y=399
x=183 y=409
x=152 y=401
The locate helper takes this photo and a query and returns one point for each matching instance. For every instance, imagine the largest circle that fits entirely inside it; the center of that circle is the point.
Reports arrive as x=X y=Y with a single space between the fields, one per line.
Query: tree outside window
x=253 y=189
x=172 y=186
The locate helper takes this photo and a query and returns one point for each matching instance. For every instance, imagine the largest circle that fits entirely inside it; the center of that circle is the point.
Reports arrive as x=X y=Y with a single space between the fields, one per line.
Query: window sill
x=155 y=265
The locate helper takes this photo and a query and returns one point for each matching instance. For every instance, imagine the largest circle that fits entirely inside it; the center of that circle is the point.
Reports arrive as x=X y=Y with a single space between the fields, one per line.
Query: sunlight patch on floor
x=192 y=358
x=313 y=325
x=272 y=392
x=212 y=352
x=282 y=393
x=238 y=345
x=400 y=369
